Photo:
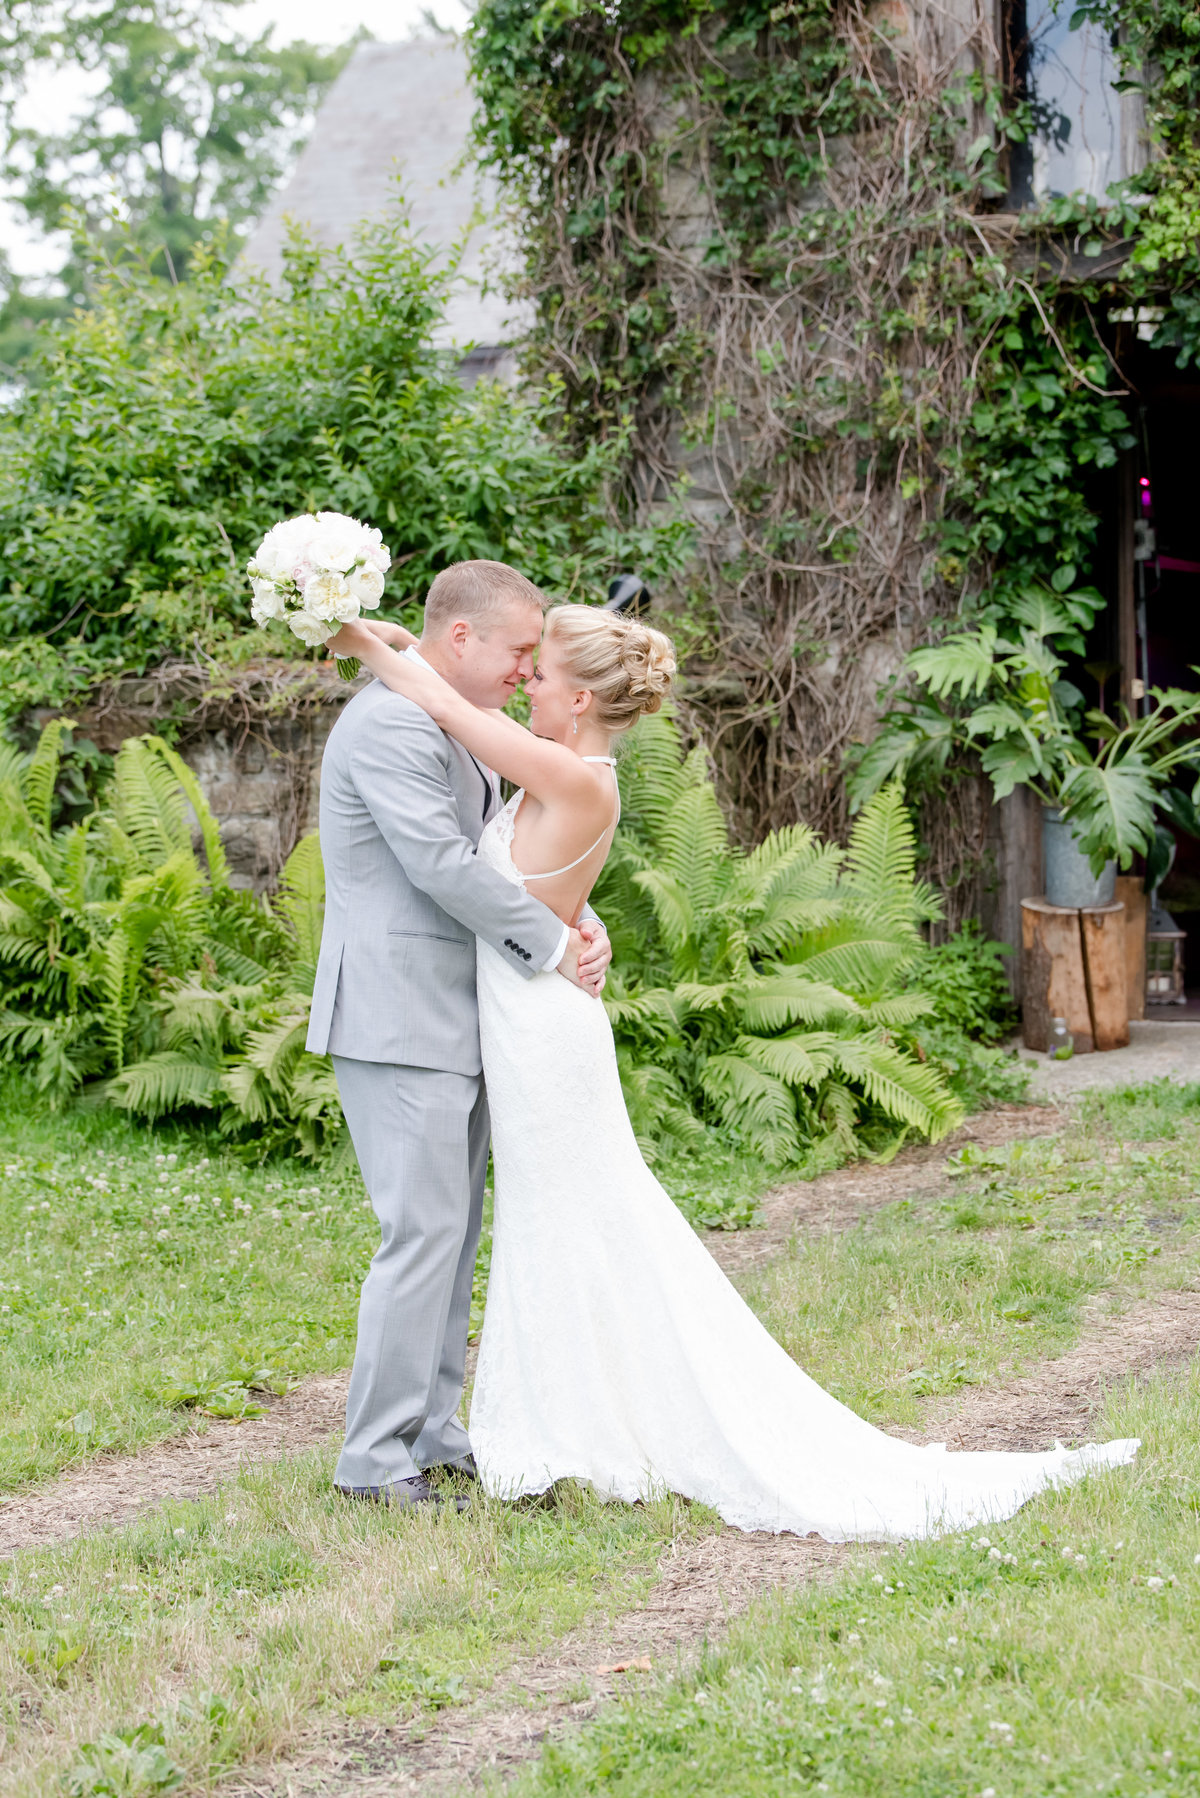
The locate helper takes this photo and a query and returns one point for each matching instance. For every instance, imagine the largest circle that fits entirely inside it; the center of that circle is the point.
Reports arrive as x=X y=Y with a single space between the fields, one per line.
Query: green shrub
x=765 y=991
x=965 y=980
x=166 y=427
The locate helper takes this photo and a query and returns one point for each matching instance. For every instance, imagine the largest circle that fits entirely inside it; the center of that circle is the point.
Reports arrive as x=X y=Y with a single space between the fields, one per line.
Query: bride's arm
x=395 y=634
x=547 y=770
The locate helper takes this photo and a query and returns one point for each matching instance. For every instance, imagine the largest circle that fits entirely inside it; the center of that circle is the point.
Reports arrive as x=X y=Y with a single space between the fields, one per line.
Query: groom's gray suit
x=402 y=808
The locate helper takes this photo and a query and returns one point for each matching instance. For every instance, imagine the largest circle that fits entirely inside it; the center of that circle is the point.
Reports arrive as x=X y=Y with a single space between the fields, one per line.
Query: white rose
x=366 y=584
x=268 y=603
x=310 y=630
x=329 y=596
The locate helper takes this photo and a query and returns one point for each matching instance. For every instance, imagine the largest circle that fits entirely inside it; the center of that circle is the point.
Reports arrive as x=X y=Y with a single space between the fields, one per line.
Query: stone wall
x=255 y=741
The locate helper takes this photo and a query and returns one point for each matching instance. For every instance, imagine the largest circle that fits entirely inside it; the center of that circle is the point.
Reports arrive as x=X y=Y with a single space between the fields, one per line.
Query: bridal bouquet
x=317 y=573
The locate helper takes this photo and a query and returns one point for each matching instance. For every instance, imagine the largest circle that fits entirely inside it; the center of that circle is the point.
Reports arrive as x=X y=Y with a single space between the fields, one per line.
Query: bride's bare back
x=542 y=831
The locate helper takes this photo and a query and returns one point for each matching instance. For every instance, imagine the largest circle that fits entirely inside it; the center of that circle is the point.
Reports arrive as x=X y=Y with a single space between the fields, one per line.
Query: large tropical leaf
x=965 y=661
x=1110 y=809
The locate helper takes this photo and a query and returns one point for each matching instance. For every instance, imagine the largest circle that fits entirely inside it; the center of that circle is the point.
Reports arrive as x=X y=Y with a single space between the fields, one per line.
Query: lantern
x=1164 y=959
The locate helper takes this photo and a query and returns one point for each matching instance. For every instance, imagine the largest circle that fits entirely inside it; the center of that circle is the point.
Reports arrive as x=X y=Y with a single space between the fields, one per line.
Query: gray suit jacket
x=402 y=808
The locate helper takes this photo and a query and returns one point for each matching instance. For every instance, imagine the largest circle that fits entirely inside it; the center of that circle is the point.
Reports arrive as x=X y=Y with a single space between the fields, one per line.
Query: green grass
x=142 y=1271
x=1054 y=1654
x=926 y=1296
x=296 y=1610
x=134 y=1264
x=211 y=1636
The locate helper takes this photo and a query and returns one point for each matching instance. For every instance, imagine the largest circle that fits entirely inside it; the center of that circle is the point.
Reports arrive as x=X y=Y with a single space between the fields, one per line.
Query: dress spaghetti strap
x=553 y=872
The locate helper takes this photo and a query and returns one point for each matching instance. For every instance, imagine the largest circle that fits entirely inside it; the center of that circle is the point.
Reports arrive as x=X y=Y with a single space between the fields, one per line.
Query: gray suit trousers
x=421 y=1136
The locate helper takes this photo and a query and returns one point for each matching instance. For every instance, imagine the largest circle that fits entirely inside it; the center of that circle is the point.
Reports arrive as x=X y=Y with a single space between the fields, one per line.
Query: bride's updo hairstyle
x=626 y=666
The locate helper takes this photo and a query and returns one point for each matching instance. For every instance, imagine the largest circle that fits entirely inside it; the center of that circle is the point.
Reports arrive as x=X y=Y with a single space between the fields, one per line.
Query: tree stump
x=1132 y=894
x=1073 y=967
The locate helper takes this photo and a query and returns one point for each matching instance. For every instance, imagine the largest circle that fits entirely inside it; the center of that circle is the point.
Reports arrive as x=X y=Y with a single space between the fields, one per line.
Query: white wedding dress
x=614 y=1349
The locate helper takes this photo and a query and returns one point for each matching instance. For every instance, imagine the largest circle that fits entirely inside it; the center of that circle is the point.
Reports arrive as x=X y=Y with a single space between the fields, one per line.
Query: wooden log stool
x=1073 y=967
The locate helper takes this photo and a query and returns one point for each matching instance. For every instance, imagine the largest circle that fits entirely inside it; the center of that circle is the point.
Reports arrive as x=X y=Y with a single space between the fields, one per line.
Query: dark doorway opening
x=1148 y=567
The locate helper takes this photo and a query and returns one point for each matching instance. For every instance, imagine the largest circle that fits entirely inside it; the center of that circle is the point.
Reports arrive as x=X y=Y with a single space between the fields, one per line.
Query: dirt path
x=113 y=1489
x=700 y=1588
x=837 y=1200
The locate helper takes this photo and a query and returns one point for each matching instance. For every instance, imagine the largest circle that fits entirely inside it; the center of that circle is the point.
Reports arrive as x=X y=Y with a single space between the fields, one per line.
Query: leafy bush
x=765 y=991
x=126 y=953
x=965 y=981
x=166 y=427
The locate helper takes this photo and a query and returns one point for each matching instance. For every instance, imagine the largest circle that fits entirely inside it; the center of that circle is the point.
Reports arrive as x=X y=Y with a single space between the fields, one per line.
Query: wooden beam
x=1126 y=596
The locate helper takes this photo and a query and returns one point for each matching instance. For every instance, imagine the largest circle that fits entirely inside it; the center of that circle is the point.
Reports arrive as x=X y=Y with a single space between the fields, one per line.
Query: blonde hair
x=472 y=590
x=626 y=666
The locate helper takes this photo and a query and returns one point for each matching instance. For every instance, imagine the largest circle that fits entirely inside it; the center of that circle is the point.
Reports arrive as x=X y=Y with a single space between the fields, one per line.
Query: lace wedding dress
x=615 y=1350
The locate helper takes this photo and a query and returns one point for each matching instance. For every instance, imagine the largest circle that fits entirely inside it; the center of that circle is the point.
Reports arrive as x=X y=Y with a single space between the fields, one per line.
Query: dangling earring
x=575 y=725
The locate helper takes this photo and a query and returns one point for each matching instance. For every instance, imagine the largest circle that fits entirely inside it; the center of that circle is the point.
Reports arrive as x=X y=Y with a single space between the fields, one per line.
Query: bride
x=614 y=1349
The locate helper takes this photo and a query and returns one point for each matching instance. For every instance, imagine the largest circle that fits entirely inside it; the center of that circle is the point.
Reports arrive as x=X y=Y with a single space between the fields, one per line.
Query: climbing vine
x=772 y=244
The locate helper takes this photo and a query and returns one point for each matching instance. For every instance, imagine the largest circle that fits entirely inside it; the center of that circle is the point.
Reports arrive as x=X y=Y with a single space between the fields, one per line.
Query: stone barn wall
x=254 y=739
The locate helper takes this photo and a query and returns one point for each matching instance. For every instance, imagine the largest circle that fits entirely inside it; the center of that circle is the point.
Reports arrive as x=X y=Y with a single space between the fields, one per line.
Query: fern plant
x=127 y=954
x=764 y=990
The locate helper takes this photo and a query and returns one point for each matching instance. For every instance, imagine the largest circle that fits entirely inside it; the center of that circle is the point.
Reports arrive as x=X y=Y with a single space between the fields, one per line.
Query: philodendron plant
x=1004 y=695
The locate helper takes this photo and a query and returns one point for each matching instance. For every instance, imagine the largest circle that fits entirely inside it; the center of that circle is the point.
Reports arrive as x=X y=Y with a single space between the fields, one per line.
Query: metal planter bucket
x=1067 y=873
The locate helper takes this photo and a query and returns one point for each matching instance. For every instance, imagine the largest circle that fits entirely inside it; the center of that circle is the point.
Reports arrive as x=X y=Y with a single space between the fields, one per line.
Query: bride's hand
x=350 y=643
x=588 y=955
x=595 y=956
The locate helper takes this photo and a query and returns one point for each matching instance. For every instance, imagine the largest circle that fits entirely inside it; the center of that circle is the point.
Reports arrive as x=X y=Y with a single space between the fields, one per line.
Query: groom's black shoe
x=464 y=1469
x=404 y=1495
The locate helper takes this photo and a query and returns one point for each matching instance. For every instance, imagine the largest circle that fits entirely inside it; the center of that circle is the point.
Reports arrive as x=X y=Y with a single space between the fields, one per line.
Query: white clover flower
x=994 y=1554
x=1155 y=1584
x=310 y=630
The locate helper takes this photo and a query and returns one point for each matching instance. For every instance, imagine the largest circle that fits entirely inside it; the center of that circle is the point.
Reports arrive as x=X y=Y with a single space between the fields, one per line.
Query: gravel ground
x=1155 y=1049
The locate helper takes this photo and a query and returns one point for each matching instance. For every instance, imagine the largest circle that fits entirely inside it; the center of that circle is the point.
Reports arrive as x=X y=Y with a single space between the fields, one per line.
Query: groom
x=402 y=808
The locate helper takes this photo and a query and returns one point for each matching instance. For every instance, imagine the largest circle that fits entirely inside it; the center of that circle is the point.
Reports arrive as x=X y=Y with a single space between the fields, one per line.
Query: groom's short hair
x=471 y=590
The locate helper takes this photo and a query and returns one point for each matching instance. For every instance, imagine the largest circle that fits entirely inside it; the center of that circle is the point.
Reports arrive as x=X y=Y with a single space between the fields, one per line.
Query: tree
x=187 y=122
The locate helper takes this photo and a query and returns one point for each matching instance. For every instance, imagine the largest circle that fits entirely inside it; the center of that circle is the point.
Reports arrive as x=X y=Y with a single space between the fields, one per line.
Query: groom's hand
x=587 y=957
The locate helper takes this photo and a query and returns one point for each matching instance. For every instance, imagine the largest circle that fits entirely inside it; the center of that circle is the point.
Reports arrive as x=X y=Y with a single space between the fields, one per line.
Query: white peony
x=268 y=602
x=310 y=630
x=317 y=573
x=366 y=584
x=285 y=547
x=335 y=549
x=329 y=596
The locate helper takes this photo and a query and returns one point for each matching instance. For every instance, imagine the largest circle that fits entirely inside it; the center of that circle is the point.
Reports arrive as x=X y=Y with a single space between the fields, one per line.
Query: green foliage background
x=168 y=427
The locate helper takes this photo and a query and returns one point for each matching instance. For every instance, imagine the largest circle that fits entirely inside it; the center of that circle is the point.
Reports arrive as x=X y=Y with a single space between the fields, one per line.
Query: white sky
x=319 y=21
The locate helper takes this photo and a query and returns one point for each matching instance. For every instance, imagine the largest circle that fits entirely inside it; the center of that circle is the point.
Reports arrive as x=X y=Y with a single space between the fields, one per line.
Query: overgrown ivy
x=775 y=237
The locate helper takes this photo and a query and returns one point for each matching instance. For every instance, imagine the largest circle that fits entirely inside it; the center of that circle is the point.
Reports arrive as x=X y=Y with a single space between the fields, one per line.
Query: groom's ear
x=458 y=634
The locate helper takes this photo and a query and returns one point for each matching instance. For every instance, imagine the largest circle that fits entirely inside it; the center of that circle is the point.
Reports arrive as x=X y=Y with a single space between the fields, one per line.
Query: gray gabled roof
x=399 y=109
